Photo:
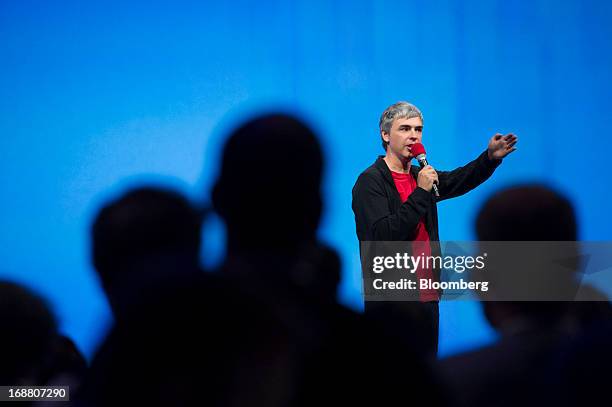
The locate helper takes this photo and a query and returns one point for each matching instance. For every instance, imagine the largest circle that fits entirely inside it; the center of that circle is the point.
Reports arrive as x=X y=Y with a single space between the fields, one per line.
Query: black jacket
x=380 y=214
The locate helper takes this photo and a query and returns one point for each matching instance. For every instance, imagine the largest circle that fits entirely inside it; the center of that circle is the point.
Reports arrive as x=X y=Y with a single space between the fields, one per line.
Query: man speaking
x=395 y=201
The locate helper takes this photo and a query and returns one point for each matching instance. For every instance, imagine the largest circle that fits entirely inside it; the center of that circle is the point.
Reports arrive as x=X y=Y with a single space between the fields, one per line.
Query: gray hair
x=399 y=110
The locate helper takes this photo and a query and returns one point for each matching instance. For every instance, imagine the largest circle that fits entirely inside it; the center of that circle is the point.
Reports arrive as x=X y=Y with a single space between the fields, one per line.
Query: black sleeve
x=463 y=179
x=374 y=220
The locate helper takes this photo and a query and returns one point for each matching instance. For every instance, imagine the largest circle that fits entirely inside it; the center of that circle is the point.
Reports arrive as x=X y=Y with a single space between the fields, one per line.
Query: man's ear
x=385 y=136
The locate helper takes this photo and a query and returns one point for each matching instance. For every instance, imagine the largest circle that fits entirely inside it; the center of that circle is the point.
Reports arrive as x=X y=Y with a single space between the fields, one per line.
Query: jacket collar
x=381 y=166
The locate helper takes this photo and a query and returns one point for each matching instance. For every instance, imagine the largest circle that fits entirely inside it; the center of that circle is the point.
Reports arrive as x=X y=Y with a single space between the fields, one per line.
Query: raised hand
x=500 y=146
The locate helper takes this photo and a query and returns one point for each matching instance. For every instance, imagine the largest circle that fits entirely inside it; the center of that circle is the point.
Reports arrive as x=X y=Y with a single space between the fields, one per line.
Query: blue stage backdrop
x=95 y=98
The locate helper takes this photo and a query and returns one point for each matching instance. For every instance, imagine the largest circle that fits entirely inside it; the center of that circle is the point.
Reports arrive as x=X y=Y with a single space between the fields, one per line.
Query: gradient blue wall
x=94 y=98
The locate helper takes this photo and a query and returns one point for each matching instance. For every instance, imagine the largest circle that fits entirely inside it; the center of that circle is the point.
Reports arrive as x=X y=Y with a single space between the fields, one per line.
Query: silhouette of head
x=268 y=190
x=28 y=336
x=143 y=232
x=526 y=213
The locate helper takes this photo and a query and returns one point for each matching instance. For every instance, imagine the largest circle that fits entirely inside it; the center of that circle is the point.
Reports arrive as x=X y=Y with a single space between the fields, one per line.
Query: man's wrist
x=491 y=158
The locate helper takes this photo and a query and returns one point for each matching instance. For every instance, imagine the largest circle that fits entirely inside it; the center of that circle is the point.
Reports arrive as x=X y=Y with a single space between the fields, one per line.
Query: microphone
x=418 y=151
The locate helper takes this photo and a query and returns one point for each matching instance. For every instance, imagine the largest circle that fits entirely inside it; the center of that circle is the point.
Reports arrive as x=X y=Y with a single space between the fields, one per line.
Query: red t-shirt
x=405 y=184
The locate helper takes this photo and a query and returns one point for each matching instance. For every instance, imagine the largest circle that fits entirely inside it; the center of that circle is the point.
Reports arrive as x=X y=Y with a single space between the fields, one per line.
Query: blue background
x=97 y=97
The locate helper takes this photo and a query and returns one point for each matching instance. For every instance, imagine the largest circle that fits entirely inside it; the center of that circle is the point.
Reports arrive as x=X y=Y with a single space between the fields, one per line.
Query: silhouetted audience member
x=269 y=195
x=147 y=237
x=181 y=336
x=32 y=352
x=581 y=373
x=269 y=187
x=527 y=213
x=28 y=336
x=537 y=213
x=201 y=342
x=516 y=370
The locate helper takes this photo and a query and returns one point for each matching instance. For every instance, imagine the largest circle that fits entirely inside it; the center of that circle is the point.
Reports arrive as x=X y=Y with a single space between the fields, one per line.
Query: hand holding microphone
x=428 y=177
